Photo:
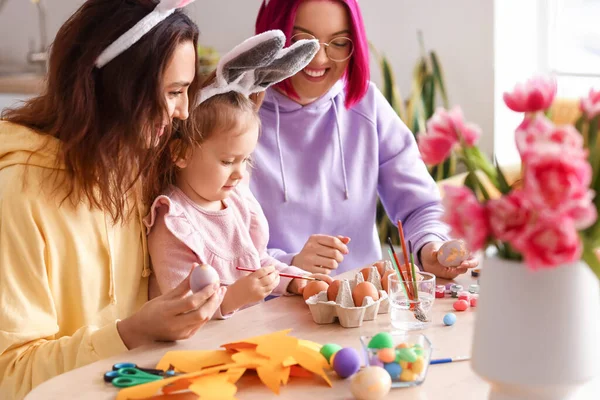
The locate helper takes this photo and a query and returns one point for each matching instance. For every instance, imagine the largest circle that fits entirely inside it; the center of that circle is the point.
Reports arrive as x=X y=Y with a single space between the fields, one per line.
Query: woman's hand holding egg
x=447 y=259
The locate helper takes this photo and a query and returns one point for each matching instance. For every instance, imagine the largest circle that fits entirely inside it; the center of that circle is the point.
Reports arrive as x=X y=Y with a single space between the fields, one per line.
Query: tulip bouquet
x=549 y=216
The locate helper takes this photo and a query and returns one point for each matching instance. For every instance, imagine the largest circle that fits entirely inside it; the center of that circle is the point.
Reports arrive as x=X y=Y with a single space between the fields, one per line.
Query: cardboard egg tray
x=343 y=308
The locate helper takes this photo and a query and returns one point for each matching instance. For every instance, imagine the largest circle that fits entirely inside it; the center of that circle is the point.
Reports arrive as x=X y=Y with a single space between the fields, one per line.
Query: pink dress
x=181 y=233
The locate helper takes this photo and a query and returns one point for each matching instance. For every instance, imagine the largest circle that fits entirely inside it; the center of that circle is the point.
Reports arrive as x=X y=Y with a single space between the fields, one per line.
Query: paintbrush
x=418 y=310
x=308 y=278
x=402 y=276
x=404 y=250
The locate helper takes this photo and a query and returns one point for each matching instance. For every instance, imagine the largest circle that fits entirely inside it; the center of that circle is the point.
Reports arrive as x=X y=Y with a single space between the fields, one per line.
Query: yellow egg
x=407 y=376
x=418 y=366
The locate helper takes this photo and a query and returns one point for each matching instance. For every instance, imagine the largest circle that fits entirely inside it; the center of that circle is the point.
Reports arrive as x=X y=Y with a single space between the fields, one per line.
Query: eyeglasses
x=338 y=49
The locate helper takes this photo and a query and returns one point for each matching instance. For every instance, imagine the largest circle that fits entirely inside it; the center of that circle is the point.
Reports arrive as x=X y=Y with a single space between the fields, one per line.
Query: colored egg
x=372 y=383
x=452 y=253
x=418 y=349
x=387 y=355
x=314 y=287
x=362 y=290
x=375 y=361
x=329 y=350
x=460 y=305
x=403 y=346
x=408 y=376
x=394 y=369
x=202 y=276
x=382 y=340
x=333 y=289
x=473 y=300
x=385 y=280
x=407 y=355
x=418 y=366
x=346 y=362
x=449 y=319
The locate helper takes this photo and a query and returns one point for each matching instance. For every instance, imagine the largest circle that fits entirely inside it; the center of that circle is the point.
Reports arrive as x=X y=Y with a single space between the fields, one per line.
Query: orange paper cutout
x=297 y=371
x=214 y=387
x=191 y=361
x=270 y=375
x=249 y=358
x=285 y=375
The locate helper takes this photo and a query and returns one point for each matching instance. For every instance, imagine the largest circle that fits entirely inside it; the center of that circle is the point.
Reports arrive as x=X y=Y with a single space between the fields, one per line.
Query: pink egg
x=202 y=276
x=461 y=305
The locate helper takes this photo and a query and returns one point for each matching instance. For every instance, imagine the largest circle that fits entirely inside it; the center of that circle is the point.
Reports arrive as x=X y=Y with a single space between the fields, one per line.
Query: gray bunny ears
x=259 y=62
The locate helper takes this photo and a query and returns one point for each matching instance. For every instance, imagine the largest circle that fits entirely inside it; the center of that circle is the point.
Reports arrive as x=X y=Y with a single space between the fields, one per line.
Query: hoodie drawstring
x=339 y=135
x=282 y=170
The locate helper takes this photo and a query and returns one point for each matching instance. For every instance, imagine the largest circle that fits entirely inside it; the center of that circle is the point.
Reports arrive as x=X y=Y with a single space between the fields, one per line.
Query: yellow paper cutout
x=285 y=375
x=310 y=345
x=234 y=374
x=278 y=348
x=308 y=361
x=214 y=387
x=270 y=375
x=151 y=388
x=256 y=340
x=191 y=361
x=289 y=361
x=250 y=358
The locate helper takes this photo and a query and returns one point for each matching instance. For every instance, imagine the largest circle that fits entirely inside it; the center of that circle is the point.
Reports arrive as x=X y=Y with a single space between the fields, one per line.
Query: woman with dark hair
x=73 y=258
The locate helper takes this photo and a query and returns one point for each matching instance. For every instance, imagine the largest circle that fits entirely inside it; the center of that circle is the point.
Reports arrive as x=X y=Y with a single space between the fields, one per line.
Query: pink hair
x=280 y=14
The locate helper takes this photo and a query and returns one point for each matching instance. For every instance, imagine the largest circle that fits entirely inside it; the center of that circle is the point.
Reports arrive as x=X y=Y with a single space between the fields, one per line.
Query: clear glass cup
x=407 y=311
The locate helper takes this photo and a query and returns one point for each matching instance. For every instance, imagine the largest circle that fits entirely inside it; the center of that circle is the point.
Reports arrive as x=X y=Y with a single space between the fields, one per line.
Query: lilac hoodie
x=319 y=168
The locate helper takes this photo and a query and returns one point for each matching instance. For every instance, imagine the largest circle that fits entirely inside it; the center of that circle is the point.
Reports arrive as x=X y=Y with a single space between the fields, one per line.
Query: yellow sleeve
x=30 y=352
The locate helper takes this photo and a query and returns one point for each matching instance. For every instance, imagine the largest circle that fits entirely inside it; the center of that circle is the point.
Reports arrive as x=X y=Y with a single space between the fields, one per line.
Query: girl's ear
x=179 y=155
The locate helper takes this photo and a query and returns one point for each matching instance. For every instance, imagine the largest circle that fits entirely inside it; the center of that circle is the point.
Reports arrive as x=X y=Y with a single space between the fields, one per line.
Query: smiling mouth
x=315 y=74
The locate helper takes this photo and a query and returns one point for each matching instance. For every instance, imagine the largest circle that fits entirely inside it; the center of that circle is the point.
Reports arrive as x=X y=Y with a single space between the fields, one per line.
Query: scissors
x=129 y=374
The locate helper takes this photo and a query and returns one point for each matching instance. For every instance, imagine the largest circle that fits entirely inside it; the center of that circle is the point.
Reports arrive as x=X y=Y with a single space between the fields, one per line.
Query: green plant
x=208 y=57
x=427 y=89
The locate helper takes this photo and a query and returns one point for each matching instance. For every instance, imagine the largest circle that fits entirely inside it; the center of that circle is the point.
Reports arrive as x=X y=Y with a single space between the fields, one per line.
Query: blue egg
x=449 y=319
x=394 y=369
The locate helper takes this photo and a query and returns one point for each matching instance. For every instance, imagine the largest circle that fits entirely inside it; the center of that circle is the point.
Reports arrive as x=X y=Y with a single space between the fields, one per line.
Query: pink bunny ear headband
x=162 y=10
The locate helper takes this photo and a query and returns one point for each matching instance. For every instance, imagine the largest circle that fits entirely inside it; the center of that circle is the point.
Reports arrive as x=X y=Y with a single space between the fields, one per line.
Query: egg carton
x=343 y=309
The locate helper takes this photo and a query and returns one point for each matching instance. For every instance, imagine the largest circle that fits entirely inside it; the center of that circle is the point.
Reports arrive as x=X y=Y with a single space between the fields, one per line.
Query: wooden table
x=454 y=380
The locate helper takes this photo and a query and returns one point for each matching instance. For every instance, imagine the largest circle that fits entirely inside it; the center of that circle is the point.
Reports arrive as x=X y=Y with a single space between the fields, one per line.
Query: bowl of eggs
x=405 y=356
x=350 y=301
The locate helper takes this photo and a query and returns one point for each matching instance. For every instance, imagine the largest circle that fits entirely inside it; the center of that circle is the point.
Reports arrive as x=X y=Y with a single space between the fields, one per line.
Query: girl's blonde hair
x=223 y=113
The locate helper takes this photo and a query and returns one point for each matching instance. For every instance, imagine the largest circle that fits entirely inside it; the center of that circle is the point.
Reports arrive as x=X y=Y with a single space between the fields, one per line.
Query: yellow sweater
x=67 y=274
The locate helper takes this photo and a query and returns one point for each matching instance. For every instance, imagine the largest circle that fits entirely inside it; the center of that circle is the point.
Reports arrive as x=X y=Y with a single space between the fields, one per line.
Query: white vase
x=536 y=332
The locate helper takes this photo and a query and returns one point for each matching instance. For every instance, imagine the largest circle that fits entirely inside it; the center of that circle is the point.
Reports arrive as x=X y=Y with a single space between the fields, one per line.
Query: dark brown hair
x=103 y=117
x=222 y=113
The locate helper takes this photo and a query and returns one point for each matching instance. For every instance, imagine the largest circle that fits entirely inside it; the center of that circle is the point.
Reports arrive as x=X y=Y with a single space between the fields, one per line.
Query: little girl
x=206 y=213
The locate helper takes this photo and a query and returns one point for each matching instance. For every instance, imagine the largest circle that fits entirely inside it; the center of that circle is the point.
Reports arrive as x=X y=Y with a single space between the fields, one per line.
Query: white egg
x=372 y=383
x=202 y=276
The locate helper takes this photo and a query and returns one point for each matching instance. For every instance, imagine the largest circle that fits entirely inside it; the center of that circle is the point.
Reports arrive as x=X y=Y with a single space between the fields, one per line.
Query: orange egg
x=363 y=290
x=365 y=271
x=333 y=290
x=313 y=288
x=385 y=280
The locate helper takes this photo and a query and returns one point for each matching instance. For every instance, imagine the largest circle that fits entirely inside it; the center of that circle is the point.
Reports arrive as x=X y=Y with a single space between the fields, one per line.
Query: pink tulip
x=452 y=125
x=551 y=242
x=466 y=216
x=535 y=95
x=538 y=132
x=591 y=105
x=510 y=217
x=553 y=178
x=581 y=209
x=434 y=148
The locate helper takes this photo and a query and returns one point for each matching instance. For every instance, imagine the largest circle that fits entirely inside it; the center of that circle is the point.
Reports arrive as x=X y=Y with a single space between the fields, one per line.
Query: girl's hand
x=297 y=286
x=250 y=289
x=431 y=264
x=175 y=315
x=322 y=253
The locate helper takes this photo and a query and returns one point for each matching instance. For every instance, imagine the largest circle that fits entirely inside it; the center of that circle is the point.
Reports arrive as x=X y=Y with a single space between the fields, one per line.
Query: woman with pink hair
x=331 y=144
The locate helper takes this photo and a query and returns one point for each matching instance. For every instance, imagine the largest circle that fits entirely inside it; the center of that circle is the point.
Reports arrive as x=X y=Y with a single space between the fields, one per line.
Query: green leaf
x=503 y=185
x=428 y=96
x=471 y=183
x=589 y=256
x=438 y=75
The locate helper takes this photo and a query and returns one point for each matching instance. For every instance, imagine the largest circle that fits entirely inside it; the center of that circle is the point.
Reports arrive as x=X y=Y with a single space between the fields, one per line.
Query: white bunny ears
x=259 y=62
x=162 y=10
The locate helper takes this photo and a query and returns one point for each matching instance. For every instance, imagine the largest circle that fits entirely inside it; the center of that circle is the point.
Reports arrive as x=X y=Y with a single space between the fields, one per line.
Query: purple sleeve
x=407 y=190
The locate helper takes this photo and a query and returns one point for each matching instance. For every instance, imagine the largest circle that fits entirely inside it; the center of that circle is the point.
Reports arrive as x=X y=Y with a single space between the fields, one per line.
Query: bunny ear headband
x=259 y=62
x=162 y=10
